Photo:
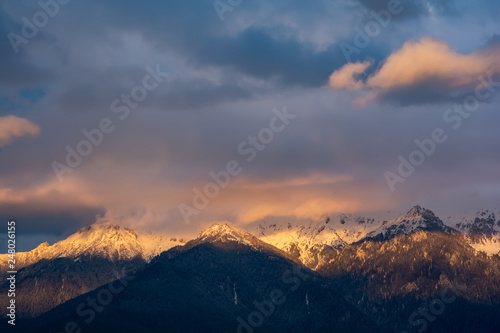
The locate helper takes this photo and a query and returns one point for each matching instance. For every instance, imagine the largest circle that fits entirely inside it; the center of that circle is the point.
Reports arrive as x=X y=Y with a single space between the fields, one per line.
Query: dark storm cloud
x=18 y=71
x=254 y=52
x=193 y=30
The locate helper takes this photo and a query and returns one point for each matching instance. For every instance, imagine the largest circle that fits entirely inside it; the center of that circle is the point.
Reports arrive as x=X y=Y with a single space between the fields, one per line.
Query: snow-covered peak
x=218 y=229
x=224 y=233
x=415 y=219
x=110 y=240
x=106 y=241
x=42 y=247
x=230 y=238
x=418 y=216
x=416 y=211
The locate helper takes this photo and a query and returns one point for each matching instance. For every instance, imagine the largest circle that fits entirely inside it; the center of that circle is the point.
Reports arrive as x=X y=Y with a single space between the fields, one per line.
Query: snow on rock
x=310 y=241
x=307 y=240
x=99 y=240
x=230 y=237
x=481 y=230
x=224 y=233
x=415 y=219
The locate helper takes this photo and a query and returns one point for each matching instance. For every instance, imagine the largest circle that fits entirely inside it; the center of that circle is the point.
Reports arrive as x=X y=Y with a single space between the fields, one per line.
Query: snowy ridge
x=107 y=241
x=334 y=231
x=482 y=230
x=310 y=241
x=306 y=241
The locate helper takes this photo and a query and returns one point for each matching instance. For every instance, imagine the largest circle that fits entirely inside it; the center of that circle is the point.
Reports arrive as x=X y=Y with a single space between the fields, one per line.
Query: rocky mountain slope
x=48 y=283
x=392 y=279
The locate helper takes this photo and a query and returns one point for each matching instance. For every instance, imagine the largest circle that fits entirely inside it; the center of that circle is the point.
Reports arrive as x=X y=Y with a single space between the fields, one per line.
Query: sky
x=170 y=115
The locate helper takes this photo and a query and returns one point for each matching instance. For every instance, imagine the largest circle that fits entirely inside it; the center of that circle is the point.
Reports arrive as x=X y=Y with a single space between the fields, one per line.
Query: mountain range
x=342 y=273
x=305 y=241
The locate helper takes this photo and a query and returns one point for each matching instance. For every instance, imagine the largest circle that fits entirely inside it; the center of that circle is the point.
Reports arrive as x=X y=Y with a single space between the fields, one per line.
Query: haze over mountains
x=482 y=231
x=373 y=274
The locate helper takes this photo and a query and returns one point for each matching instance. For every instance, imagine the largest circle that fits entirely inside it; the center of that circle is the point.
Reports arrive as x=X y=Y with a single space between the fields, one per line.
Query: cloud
x=12 y=127
x=347 y=76
x=414 y=9
x=226 y=78
x=18 y=70
x=48 y=206
x=331 y=160
x=424 y=71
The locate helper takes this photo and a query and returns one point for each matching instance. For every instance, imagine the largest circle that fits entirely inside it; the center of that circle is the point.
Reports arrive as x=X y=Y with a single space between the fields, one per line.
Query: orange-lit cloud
x=432 y=59
x=429 y=62
x=149 y=203
x=316 y=207
x=307 y=197
x=344 y=78
x=12 y=127
x=312 y=204
x=315 y=179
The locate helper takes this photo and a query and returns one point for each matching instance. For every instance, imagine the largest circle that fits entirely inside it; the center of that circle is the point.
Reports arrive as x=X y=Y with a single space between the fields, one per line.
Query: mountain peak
x=228 y=238
x=220 y=227
x=106 y=229
x=42 y=246
x=224 y=233
x=417 y=211
x=216 y=228
x=104 y=240
x=417 y=218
